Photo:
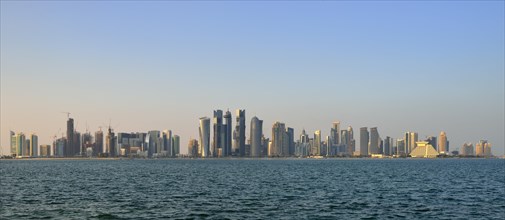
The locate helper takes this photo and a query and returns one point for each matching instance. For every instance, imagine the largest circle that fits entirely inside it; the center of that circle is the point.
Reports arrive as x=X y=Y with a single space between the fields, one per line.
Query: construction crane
x=68 y=114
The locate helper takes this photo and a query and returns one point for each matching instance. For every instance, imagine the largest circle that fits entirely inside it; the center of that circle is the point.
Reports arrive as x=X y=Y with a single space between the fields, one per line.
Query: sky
x=421 y=66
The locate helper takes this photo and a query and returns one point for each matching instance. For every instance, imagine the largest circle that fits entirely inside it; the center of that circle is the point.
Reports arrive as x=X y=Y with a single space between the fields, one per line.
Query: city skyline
x=156 y=143
x=163 y=65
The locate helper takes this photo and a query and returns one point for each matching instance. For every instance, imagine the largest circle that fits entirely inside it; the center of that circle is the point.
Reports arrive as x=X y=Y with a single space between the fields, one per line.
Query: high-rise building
x=204 y=131
x=167 y=143
x=467 y=149
x=153 y=142
x=217 y=141
x=304 y=137
x=45 y=150
x=240 y=133
x=69 y=146
x=413 y=141
x=388 y=146
x=401 y=147
x=351 y=143
x=280 y=141
x=344 y=146
x=487 y=149
x=98 y=146
x=34 y=141
x=256 y=134
x=227 y=128
x=176 y=145
x=110 y=143
x=328 y=147
x=363 y=141
x=59 y=147
x=316 y=148
x=432 y=141
x=291 y=141
x=26 y=149
x=20 y=143
x=406 y=140
x=87 y=142
x=483 y=149
x=335 y=133
x=264 y=146
x=442 y=143
x=12 y=139
x=77 y=143
x=193 y=148
x=374 y=147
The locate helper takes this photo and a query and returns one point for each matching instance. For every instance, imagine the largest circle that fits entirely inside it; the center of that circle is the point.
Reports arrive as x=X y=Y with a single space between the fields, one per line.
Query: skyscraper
x=167 y=143
x=153 y=142
x=204 y=132
x=227 y=128
x=487 y=149
x=20 y=143
x=413 y=141
x=387 y=146
x=406 y=141
x=76 y=150
x=264 y=146
x=344 y=146
x=45 y=150
x=110 y=143
x=240 y=132
x=351 y=143
x=304 y=137
x=483 y=148
x=176 y=145
x=98 y=146
x=335 y=133
x=467 y=149
x=193 y=148
x=432 y=141
x=363 y=141
x=87 y=141
x=442 y=142
x=256 y=133
x=69 y=147
x=26 y=149
x=12 y=139
x=316 y=149
x=34 y=141
x=374 y=141
x=218 y=133
x=59 y=147
x=400 y=147
x=291 y=141
x=279 y=140
x=328 y=146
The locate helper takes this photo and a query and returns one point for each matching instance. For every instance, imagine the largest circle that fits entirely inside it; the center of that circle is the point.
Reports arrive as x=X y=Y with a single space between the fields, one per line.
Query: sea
x=253 y=189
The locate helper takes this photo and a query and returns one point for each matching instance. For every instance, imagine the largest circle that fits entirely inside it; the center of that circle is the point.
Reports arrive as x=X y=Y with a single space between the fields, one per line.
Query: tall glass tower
x=204 y=137
x=256 y=133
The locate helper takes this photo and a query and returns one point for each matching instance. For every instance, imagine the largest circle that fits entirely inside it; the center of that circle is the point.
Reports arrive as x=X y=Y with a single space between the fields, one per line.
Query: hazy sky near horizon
x=399 y=66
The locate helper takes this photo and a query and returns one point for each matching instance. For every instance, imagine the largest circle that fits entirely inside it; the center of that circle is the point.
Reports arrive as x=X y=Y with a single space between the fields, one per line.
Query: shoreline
x=238 y=158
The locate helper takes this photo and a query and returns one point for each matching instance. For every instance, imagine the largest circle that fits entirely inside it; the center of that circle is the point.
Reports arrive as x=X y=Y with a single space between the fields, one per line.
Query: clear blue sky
x=422 y=66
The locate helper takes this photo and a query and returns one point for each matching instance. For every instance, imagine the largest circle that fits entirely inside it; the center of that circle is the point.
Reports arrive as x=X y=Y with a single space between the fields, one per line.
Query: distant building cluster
x=482 y=149
x=75 y=144
x=339 y=143
x=228 y=141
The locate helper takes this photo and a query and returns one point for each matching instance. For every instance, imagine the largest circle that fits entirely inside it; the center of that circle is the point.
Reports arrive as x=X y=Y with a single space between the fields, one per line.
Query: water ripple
x=253 y=189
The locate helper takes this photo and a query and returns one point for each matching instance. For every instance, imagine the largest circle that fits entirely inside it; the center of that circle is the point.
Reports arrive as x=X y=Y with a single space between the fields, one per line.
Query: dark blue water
x=258 y=189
